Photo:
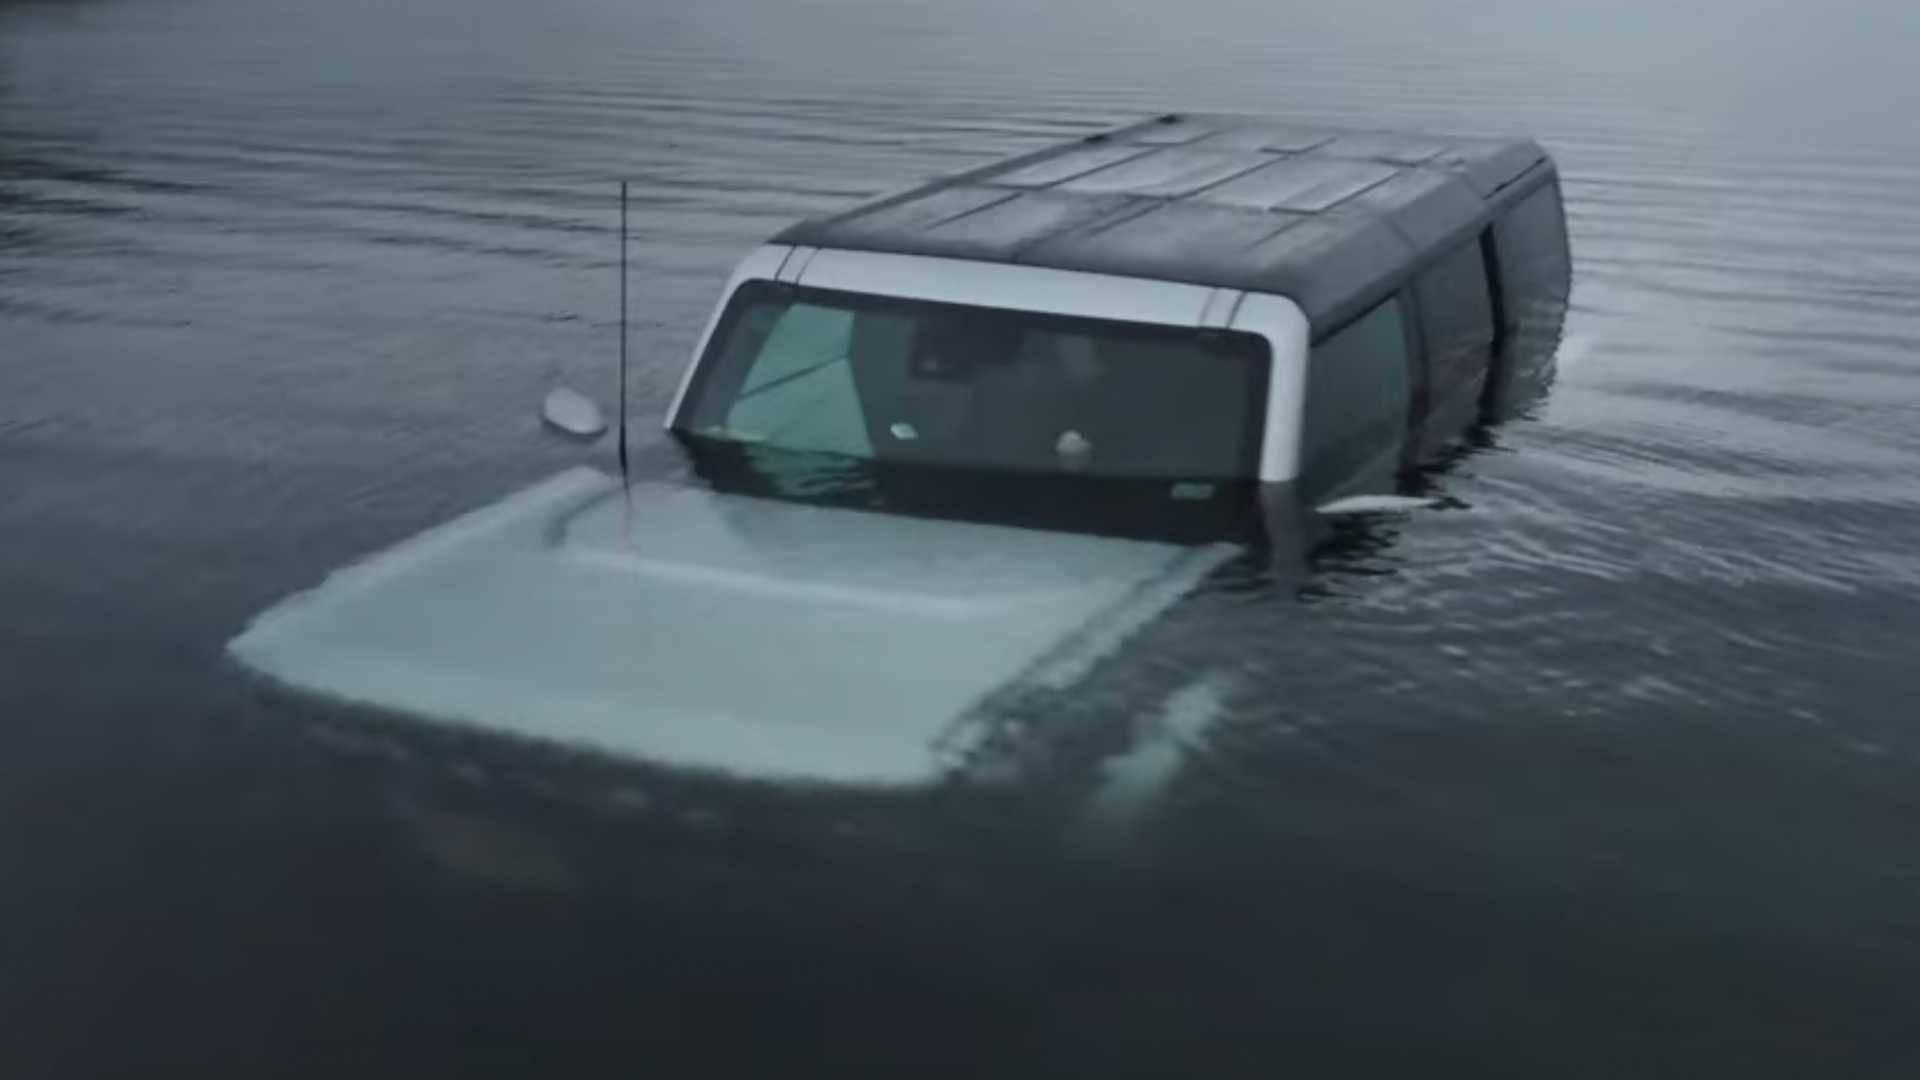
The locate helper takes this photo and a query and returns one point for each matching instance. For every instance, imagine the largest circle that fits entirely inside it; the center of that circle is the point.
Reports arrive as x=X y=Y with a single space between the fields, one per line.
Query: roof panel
x=1206 y=242
x=1231 y=202
x=1275 y=138
x=1389 y=146
x=1305 y=183
x=1172 y=131
x=1168 y=173
x=1490 y=164
x=1002 y=229
x=915 y=213
x=1065 y=166
x=1331 y=264
x=1426 y=205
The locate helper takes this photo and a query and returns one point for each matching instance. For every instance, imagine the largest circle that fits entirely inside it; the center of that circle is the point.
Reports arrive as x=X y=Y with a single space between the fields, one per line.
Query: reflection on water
x=1602 y=765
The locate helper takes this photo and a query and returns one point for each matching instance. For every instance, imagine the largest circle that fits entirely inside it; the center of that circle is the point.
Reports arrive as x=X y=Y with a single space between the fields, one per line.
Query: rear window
x=891 y=380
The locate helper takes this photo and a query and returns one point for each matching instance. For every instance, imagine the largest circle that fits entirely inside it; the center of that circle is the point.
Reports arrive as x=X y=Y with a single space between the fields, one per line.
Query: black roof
x=1332 y=219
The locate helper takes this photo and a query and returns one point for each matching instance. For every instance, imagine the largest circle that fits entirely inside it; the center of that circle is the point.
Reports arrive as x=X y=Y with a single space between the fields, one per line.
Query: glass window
x=1531 y=239
x=895 y=380
x=1456 y=311
x=1357 y=395
x=799 y=393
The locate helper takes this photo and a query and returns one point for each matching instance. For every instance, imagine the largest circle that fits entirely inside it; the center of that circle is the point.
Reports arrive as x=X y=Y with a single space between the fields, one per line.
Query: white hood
x=724 y=632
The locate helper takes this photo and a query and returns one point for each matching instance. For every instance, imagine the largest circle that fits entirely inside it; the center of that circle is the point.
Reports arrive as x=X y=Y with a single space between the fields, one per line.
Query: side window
x=800 y=392
x=1531 y=238
x=1456 y=311
x=1355 y=415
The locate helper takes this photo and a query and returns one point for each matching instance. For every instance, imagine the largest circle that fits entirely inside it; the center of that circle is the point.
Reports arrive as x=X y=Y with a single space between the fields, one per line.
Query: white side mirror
x=572 y=413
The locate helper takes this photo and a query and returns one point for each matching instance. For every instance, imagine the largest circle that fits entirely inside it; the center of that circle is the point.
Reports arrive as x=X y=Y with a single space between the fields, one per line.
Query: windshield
x=891 y=380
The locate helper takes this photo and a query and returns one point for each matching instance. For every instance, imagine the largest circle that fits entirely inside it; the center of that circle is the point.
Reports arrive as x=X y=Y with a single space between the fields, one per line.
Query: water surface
x=1604 y=768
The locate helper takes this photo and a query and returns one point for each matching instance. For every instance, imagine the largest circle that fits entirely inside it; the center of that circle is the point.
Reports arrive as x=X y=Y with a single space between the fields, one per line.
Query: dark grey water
x=1609 y=769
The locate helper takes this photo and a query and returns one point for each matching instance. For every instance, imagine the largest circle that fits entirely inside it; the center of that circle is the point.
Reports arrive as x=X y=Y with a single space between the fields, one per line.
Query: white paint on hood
x=716 y=631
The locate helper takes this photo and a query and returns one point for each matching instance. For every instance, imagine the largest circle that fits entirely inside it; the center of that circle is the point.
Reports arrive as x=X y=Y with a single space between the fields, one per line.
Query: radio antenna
x=623 y=334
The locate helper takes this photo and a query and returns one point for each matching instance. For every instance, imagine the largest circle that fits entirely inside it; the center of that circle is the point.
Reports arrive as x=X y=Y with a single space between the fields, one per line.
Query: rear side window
x=1456 y=311
x=1531 y=238
x=1357 y=394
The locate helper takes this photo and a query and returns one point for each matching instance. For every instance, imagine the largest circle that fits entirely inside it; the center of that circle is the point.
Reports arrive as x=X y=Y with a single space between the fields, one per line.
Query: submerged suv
x=951 y=448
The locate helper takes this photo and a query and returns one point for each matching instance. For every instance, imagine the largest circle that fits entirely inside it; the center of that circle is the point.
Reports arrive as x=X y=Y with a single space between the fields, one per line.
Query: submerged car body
x=944 y=452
